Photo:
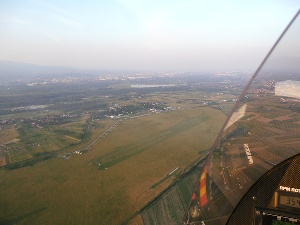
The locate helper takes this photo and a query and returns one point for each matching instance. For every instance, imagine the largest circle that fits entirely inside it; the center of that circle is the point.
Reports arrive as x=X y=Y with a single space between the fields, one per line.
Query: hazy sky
x=142 y=34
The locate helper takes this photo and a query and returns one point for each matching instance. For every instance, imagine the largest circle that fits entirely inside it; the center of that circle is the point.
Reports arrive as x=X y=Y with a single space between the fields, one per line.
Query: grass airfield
x=136 y=154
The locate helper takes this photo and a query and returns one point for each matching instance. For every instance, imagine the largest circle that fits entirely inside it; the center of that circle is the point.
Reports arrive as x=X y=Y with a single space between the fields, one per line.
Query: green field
x=138 y=153
x=36 y=139
x=122 y=153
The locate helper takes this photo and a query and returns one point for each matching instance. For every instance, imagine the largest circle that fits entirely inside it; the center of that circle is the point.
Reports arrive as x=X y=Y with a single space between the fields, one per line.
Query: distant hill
x=10 y=70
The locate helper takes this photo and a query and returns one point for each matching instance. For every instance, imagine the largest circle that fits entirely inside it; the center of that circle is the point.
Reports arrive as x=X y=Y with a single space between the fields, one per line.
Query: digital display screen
x=290 y=201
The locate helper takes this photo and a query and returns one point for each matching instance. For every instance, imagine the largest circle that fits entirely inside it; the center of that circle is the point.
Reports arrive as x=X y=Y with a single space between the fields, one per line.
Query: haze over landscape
x=147 y=112
x=142 y=35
